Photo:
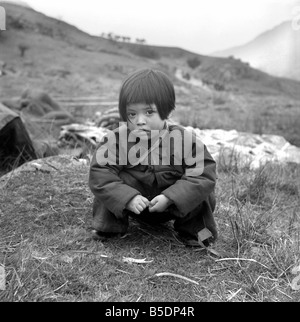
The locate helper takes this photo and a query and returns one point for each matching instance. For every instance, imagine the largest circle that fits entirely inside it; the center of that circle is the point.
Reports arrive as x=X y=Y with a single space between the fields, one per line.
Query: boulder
x=247 y=149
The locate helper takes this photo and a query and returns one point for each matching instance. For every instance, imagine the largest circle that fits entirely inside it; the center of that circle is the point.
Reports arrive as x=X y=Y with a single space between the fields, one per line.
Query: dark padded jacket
x=187 y=189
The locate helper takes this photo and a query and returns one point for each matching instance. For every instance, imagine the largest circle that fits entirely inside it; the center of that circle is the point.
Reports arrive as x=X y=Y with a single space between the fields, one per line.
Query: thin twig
x=234 y=294
x=88 y=253
x=121 y=271
x=176 y=275
x=51 y=166
x=242 y=259
x=284 y=293
x=139 y=298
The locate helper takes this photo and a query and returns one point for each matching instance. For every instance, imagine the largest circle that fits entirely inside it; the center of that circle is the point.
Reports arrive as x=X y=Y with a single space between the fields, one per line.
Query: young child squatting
x=151 y=169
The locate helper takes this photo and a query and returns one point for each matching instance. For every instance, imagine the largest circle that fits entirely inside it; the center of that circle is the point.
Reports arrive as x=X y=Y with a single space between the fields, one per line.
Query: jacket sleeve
x=105 y=183
x=198 y=181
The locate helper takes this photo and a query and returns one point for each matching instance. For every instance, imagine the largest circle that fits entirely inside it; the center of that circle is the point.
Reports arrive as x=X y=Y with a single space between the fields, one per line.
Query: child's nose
x=141 y=120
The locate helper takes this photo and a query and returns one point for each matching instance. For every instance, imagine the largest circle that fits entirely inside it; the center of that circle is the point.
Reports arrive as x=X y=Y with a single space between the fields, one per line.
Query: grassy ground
x=48 y=255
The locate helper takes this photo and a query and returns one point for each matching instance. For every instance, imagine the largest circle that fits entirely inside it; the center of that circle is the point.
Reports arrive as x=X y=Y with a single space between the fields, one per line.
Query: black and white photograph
x=150 y=154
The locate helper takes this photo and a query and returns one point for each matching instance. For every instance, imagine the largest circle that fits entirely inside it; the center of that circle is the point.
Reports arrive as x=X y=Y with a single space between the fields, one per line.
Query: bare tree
x=140 y=41
x=110 y=36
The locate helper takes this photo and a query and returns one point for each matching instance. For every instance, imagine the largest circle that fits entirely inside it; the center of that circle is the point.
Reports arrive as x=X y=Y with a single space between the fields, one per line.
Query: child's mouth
x=142 y=130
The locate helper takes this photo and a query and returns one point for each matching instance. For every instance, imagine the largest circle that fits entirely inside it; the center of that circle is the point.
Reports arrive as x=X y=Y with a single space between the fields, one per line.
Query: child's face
x=144 y=117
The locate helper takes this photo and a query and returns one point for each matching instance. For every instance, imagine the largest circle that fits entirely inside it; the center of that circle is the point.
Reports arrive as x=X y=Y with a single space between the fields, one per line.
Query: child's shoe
x=204 y=238
x=188 y=241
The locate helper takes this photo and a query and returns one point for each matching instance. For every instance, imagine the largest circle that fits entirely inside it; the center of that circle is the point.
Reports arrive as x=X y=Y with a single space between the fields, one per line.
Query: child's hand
x=137 y=204
x=159 y=204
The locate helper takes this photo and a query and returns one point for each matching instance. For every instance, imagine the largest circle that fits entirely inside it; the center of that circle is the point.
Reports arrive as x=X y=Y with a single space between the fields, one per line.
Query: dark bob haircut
x=148 y=86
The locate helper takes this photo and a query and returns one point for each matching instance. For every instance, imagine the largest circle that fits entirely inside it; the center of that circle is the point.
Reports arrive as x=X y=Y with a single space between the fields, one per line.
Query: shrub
x=219 y=98
x=145 y=51
x=186 y=76
x=194 y=62
x=15 y=23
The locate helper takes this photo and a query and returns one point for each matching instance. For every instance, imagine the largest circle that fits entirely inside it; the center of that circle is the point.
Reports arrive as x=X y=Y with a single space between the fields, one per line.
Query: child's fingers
x=153 y=206
x=154 y=209
x=153 y=202
x=144 y=204
x=145 y=201
x=140 y=207
x=136 y=210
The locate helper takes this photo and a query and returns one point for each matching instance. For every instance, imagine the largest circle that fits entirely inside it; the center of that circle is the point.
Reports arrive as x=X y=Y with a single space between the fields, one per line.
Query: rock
x=38 y=103
x=46 y=165
x=77 y=134
x=247 y=149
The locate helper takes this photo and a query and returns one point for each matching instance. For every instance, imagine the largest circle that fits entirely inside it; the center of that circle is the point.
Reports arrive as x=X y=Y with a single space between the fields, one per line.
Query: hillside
x=39 y=52
x=18 y=2
x=57 y=49
x=276 y=51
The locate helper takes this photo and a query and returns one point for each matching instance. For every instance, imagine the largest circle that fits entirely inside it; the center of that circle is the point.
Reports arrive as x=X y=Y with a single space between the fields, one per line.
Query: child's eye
x=131 y=115
x=149 y=112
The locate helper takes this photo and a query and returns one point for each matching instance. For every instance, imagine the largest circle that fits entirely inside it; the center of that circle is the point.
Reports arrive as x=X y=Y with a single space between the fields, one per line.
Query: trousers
x=189 y=225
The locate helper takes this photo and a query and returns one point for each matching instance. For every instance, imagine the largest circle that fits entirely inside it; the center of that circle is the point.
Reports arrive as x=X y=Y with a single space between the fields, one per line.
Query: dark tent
x=33 y=135
x=15 y=144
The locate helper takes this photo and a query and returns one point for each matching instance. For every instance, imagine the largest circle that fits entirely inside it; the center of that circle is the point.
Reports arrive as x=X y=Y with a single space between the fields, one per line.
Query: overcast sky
x=201 y=26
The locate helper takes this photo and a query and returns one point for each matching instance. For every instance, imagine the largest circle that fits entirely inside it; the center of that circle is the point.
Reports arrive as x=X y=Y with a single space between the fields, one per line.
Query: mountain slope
x=17 y=2
x=276 y=51
x=64 y=59
x=41 y=53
